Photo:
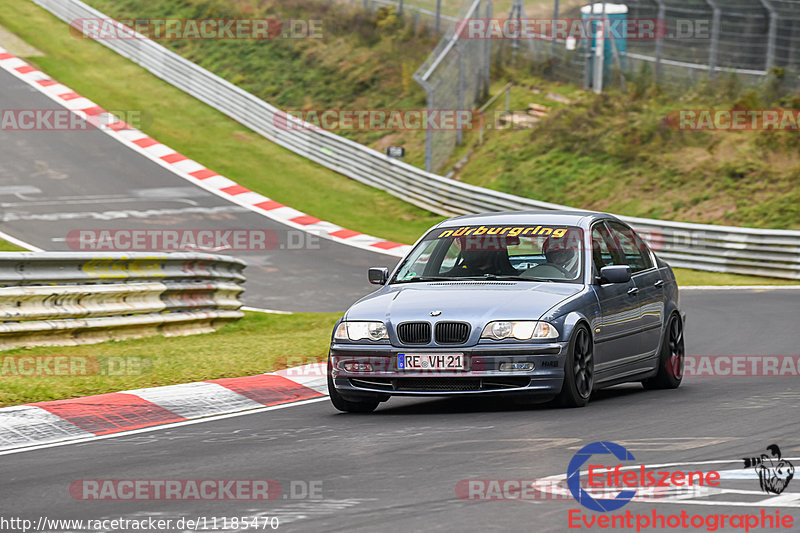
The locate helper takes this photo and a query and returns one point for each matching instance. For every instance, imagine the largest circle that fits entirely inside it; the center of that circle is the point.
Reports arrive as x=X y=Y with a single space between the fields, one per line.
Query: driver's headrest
x=568 y=243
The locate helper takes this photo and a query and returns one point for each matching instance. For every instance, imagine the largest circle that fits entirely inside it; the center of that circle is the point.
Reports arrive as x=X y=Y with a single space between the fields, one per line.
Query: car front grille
x=441 y=384
x=452 y=332
x=414 y=332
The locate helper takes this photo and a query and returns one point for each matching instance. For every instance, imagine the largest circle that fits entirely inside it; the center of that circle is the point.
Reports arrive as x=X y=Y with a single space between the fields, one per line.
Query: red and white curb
x=51 y=422
x=188 y=169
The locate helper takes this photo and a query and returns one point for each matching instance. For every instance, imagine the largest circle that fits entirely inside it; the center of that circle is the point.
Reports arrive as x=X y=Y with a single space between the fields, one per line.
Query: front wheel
x=349 y=406
x=671 y=359
x=578 y=370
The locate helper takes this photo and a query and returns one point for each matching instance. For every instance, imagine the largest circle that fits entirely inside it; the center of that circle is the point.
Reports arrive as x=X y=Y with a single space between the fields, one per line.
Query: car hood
x=474 y=302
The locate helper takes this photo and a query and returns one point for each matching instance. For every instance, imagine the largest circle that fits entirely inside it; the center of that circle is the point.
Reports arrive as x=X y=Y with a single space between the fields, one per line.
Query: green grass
x=6 y=246
x=615 y=153
x=258 y=343
x=207 y=136
x=687 y=277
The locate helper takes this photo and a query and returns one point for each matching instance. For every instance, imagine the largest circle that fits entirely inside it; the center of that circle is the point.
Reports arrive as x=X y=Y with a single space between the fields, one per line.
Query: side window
x=635 y=251
x=602 y=247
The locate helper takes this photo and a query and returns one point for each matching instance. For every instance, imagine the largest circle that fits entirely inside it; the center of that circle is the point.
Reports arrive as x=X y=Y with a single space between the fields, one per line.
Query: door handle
x=659 y=283
x=633 y=291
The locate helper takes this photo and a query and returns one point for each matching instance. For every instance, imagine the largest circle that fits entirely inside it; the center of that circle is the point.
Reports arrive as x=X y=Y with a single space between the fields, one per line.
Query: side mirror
x=378 y=275
x=615 y=274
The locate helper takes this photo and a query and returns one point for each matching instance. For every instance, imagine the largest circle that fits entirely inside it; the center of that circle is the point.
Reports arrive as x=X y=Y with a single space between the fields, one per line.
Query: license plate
x=418 y=361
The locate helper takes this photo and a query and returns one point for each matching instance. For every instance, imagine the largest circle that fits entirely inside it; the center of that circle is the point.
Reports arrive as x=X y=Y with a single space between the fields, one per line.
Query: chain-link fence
x=455 y=76
x=694 y=40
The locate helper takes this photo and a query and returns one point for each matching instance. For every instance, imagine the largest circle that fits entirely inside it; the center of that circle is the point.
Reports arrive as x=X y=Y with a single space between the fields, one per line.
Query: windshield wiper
x=424 y=278
x=507 y=278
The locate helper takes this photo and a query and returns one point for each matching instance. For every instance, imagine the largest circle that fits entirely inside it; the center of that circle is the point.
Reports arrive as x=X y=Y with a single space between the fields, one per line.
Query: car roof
x=554 y=218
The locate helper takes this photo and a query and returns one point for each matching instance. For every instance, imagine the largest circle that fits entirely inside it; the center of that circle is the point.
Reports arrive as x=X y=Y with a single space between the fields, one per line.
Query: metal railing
x=54 y=298
x=705 y=247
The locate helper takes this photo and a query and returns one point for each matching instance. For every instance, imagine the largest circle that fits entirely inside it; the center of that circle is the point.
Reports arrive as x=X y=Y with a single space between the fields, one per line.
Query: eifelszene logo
x=774 y=472
x=603 y=481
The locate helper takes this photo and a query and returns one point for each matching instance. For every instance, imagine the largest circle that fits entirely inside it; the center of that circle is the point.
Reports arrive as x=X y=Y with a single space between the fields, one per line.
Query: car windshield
x=511 y=252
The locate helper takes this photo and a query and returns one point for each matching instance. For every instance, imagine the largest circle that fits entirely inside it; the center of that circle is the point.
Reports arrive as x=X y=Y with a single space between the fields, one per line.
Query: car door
x=618 y=321
x=648 y=281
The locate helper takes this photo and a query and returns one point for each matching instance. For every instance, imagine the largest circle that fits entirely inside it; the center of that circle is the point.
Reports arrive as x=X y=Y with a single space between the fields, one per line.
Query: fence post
x=773 y=34
x=516 y=13
x=662 y=19
x=428 y=130
x=438 y=15
x=716 y=20
x=488 y=43
x=460 y=89
x=400 y=8
x=553 y=26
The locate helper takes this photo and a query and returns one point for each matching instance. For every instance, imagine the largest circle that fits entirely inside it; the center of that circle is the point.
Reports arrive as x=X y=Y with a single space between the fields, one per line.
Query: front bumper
x=482 y=374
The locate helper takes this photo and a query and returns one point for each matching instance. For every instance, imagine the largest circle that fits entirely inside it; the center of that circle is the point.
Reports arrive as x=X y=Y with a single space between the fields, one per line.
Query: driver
x=564 y=254
x=483 y=261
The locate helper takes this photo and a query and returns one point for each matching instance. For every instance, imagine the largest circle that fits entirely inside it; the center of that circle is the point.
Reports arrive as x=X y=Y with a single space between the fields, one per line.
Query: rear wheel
x=671 y=359
x=349 y=406
x=578 y=370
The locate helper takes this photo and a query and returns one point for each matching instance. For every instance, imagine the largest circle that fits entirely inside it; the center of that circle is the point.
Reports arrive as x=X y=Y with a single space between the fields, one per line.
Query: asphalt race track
x=397 y=469
x=54 y=182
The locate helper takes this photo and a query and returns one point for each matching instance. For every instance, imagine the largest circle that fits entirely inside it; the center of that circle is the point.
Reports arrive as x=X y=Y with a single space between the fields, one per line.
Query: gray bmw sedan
x=549 y=304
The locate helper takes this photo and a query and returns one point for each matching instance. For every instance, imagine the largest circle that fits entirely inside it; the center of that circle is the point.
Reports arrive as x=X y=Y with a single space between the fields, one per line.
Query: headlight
x=355 y=331
x=519 y=329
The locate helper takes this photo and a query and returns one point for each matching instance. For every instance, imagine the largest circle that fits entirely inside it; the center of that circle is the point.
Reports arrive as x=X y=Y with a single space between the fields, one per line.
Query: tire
x=349 y=406
x=671 y=358
x=578 y=370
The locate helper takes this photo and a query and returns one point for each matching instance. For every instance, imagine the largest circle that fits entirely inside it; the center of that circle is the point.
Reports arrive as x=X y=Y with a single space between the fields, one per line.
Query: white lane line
x=20 y=243
x=260 y=310
x=164 y=426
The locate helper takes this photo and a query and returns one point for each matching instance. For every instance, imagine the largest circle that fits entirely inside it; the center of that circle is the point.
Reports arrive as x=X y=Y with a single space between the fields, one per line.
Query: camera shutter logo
x=602 y=505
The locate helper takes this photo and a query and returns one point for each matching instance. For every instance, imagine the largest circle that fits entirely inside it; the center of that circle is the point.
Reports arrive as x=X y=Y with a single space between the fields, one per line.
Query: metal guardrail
x=77 y=298
x=773 y=253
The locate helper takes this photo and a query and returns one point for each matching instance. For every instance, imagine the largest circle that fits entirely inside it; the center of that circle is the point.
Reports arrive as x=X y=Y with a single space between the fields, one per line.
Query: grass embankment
x=258 y=343
x=616 y=153
x=207 y=136
x=363 y=60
